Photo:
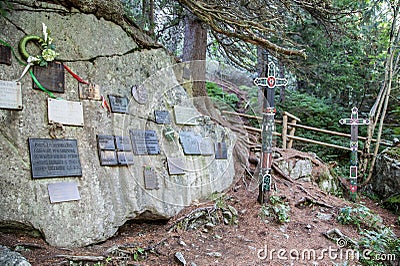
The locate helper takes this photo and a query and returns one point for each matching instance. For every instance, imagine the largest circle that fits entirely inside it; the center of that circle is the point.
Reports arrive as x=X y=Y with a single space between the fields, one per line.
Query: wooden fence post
x=284 y=130
x=295 y=119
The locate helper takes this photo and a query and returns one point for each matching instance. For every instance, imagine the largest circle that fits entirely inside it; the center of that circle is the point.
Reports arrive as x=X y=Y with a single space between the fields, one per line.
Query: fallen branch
x=305 y=200
x=281 y=173
x=81 y=258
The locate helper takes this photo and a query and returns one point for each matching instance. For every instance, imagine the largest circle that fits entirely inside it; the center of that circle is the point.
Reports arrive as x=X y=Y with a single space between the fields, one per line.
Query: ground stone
x=11 y=258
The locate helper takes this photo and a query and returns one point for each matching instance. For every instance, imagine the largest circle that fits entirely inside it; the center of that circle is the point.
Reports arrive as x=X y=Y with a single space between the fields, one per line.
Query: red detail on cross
x=271 y=82
x=353 y=188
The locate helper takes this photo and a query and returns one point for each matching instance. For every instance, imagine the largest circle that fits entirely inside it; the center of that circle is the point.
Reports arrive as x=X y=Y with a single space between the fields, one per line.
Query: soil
x=252 y=241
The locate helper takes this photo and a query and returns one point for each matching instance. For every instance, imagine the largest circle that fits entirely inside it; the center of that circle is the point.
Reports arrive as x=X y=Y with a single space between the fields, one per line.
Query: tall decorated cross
x=268 y=109
x=354 y=122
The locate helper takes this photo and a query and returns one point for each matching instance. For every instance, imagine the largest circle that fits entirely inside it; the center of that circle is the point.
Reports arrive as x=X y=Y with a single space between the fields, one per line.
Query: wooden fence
x=289 y=129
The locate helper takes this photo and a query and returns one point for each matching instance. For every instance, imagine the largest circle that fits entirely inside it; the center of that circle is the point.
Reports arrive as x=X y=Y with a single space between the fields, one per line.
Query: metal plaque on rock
x=108 y=158
x=150 y=178
x=54 y=157
x=190 y=142
x=65 y=112
x=221 y=151
x=140 y=94
x=106 y=142
x=125 y=157
x=5 y=55
x=152 y=142
x=63 y=191
x=119 y=104
x=123 y=143
x=186 y=116
x=50 y=77
x=206 y=146
x=176 y=166
x=162 y=117
x=89 y=91
x=10 y=95
x=138 y=141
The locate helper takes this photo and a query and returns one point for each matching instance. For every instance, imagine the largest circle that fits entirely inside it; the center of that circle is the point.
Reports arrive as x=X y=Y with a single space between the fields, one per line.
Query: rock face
x=386 y=178
x=101 y=53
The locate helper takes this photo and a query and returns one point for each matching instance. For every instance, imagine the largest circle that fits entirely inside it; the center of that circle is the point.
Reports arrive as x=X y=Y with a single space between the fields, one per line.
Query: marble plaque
x=10 y=95
x=123 y=143
x=176 y=166
x=89 y=92
x=106 y=142
x=140 y=94
x=51 y=77
x=138 y=142
x=150 y=179
x=221 y=151
x=186 y=116
x=152 y=142
x=190 y=142
x=63 y=191
x=54 y=157
x=206 y=146
x=125 y=157
x=5 y=55
x=108 y=157
x=65 y=112
x=162 y=117
x=119 y=104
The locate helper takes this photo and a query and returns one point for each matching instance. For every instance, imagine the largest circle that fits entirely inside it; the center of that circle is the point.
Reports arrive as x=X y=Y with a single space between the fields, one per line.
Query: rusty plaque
x=89 y=92
x=63 y=191
x=10 y=95
x=5 y=55
x=150 y=178
x=50 y=77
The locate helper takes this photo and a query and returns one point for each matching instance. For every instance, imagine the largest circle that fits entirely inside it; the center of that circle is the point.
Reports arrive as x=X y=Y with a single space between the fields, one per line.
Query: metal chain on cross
x=354 y=122
x=268 y=125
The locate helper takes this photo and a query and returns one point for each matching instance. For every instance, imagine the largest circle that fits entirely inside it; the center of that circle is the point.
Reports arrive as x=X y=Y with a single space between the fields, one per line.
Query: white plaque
x=186 y=116
x=65 y=112
x=10 y=95
x=63 y=191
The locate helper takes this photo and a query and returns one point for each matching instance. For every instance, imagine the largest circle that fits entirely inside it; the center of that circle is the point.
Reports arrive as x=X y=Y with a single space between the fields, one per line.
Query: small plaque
x=119 y=104
x=50 y=77
x=206 y=146
x=144 y=142
x=108 y=158
x=65 y=112
x=162 y=117
x=54 y=157
x=123 y=143
x=176 y=166
x=106 y=142
x=186 y=73
x=89 y=92
x=150 y=179
x=186 y=116
x=5 y=55
x=140 y=94
x=10 y=95
x=125 y=157
x=63 y=191
x=190 y=142
x=221 y=151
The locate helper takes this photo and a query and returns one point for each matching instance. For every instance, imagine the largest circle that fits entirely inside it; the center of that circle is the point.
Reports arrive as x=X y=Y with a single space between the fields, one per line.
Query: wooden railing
x=289 y=129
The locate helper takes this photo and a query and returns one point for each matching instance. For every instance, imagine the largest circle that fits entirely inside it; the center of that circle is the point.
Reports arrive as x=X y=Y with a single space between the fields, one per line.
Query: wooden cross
x=268 y=109
x=354 y=122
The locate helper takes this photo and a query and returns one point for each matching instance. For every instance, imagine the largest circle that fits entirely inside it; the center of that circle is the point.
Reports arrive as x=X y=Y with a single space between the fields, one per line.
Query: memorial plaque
x=63 y=191
x=138 y=141
x=125 y=157
x=5 y=55
x=186 y=116
x=152 y=142
x=123 y=143
x=89 y=91
x=10 y=95
x=119 y=104
x=50 y=77
x=176 y=166
x=108 y=158
x=54 y=157
x=190 y=142
x=106 y=142
x=150 y=178
x=186 y=73
x=221 y=151
x=65 y=112
x=140 y=94
x=206 y=146
x=162 y=117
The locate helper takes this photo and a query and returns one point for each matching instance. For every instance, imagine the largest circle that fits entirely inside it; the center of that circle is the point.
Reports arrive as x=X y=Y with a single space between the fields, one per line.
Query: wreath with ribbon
x=48 y=53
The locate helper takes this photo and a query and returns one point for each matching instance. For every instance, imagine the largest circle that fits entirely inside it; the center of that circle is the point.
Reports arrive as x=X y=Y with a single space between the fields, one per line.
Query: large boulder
x=11 y=258
x=101 y=52
x=386 y=178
